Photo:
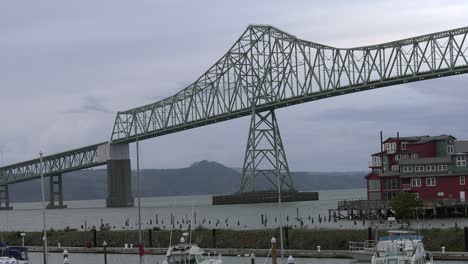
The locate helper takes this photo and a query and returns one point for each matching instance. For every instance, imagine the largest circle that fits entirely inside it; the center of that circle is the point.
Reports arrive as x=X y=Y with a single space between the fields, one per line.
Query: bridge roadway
x=265 y=69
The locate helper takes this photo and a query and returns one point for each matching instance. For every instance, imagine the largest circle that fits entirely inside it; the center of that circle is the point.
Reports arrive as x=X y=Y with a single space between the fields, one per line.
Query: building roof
x=420 y=139
x=415 y=138
x=425 y=139
x=461 y=146
x=432 y=160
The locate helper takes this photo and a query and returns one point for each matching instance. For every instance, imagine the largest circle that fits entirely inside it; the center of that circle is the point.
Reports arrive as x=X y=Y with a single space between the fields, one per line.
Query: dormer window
x=450 y=149
x=403 y=145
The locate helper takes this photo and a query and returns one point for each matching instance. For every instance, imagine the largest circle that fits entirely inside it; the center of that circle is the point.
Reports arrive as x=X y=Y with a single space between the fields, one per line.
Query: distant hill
x=204 y=177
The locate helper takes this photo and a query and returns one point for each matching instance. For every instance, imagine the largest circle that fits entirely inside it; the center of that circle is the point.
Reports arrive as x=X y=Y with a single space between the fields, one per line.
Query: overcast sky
x=67 y=67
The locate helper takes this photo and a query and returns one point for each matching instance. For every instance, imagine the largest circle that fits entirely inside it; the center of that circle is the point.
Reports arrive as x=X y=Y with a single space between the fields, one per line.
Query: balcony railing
x=406 y=186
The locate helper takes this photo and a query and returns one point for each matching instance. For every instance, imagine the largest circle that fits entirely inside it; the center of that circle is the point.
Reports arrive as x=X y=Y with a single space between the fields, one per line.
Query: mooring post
x=290 y=260
x=150 y=237
x=369 y=233
x=95 y=237
x=252 y=258
x=104 y=244
x=214 y=237
x=273 y=250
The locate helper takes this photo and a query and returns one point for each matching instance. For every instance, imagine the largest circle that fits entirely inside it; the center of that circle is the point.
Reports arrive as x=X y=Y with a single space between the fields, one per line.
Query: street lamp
x=104 y=244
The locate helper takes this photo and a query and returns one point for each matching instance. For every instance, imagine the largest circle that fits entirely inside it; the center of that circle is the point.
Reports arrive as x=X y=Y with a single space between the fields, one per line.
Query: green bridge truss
x=265 y=69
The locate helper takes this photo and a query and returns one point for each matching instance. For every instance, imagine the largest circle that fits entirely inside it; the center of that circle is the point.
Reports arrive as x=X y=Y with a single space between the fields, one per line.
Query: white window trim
x=460 y=161
x=408 y=169
x=429 y=181
x=442 y=167
x=460 y=180
x=450 y=149
x=403 y=145
x=414 y=181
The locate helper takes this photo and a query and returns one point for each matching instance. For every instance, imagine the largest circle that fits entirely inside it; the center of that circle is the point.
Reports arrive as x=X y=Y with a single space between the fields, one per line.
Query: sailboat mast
x=43 y=208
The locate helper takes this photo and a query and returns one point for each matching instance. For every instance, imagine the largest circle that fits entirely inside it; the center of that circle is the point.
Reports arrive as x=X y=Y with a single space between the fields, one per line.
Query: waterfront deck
x=372 y=209
x=360 y=210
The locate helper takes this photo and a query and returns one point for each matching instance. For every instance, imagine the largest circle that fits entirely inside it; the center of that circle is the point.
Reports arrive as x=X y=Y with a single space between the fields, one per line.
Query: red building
x=432 y=167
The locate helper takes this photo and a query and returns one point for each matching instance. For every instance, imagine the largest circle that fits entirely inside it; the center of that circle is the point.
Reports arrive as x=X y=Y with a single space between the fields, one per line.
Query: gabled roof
x=426 y=139
x=420 y=139
x=416 y=138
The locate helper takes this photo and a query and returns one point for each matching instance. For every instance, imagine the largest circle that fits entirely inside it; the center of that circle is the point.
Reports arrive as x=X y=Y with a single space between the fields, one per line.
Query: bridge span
x=265 y=69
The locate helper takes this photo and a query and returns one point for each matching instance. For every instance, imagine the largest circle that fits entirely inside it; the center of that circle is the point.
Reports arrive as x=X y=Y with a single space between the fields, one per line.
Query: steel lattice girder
x=267 y=68
x=265 y=155
x=77 y=159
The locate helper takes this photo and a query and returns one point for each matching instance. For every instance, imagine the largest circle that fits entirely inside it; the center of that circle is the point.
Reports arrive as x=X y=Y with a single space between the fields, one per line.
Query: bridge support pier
x=119 y=176
x=4 y=198
x=56 y=192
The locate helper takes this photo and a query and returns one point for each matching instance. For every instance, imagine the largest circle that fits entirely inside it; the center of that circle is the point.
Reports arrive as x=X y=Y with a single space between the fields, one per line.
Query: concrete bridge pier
x=56 y=192
x=4 y=198
x=119 y=175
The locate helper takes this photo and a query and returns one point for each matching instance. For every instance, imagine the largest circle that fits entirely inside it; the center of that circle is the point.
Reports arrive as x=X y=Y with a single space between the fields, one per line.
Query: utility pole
x=140 y=235
x=1 y=163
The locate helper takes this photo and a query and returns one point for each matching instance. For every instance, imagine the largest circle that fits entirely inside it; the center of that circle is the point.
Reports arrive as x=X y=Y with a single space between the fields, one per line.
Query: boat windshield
x=18 y=253
x=184 y=259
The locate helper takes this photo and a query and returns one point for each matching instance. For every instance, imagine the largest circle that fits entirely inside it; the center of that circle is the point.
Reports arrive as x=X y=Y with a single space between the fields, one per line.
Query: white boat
x=401 y=247
x=19 y=255
x=186 y=253
x=362 y=251
x=8 y=260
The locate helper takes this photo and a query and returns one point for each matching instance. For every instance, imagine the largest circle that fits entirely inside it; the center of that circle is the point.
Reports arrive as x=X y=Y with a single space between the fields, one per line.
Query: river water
x=157 y=211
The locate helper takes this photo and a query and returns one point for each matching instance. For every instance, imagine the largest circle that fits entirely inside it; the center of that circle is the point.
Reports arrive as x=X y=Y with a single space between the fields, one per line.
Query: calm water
x=156 y=212
x=36 y=258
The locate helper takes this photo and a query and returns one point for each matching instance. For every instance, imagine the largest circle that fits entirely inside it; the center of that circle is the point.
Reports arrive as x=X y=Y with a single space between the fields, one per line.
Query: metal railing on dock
x=362 y=245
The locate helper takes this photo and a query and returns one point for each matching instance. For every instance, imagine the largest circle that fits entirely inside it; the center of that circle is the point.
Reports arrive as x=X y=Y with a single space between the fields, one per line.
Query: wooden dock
x=372 y=209
x=360 y=210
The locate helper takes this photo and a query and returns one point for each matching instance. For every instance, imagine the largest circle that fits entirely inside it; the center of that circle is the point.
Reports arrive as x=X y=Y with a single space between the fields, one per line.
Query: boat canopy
x=401 y=237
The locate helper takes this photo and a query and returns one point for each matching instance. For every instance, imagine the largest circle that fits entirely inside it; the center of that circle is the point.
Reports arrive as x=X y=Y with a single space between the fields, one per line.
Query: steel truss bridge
x=266 y=69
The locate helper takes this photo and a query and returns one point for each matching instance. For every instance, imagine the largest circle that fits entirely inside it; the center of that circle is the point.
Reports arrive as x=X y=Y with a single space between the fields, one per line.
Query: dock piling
x=466 y=238
x=273 y=250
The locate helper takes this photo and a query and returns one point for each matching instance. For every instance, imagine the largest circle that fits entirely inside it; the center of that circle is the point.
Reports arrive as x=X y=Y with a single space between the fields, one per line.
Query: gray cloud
x=90 y=104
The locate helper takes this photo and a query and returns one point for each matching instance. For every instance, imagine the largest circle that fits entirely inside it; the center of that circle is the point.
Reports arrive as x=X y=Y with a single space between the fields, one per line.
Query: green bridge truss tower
x=265 y=155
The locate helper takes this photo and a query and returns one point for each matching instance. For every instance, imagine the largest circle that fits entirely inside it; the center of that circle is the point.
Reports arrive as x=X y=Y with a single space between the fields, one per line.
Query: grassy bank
x=452 y=239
